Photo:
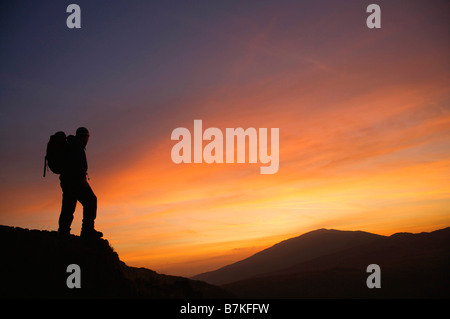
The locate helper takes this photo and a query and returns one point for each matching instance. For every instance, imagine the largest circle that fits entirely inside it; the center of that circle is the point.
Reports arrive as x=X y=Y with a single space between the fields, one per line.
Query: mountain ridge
x=324 y=263
x=286 y=253
x=34 y=265
x=412 y=266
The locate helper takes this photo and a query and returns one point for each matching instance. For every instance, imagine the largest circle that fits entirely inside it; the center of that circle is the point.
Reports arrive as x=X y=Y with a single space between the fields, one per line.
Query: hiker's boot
x=91 y=233
x=88 y=231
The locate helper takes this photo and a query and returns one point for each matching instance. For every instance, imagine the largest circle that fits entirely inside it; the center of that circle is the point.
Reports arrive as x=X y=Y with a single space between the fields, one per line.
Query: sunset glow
x=363 y=118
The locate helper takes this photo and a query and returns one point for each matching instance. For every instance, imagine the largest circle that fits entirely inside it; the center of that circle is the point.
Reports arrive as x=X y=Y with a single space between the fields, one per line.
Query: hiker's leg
x=69 y=202
x=89 y=201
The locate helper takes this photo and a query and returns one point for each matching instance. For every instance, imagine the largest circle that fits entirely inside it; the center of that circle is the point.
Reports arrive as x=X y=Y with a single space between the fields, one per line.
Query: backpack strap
x=45 y=164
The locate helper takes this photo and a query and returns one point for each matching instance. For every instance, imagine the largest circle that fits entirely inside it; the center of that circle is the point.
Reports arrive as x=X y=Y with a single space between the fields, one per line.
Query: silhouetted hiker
x=75 y=187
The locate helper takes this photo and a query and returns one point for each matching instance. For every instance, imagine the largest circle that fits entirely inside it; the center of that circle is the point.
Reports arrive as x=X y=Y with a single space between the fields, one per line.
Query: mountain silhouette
x=319 y=264
x=287 y=253
x=34 y=265
x=332 y=264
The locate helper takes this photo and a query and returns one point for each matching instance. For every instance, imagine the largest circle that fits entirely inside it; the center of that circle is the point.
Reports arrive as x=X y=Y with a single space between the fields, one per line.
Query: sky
x=363 y=117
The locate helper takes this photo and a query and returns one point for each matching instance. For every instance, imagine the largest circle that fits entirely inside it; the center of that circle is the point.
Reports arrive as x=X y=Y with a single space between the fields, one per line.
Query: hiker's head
x=83 y=134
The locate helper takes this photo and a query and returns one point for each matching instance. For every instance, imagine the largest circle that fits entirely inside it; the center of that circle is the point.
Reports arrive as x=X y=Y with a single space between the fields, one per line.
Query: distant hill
x=332 y=264
x=33 y=264
x=288 y=253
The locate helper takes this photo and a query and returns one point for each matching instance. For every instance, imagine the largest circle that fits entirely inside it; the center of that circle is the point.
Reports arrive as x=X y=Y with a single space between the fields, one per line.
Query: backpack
x=56 y=153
